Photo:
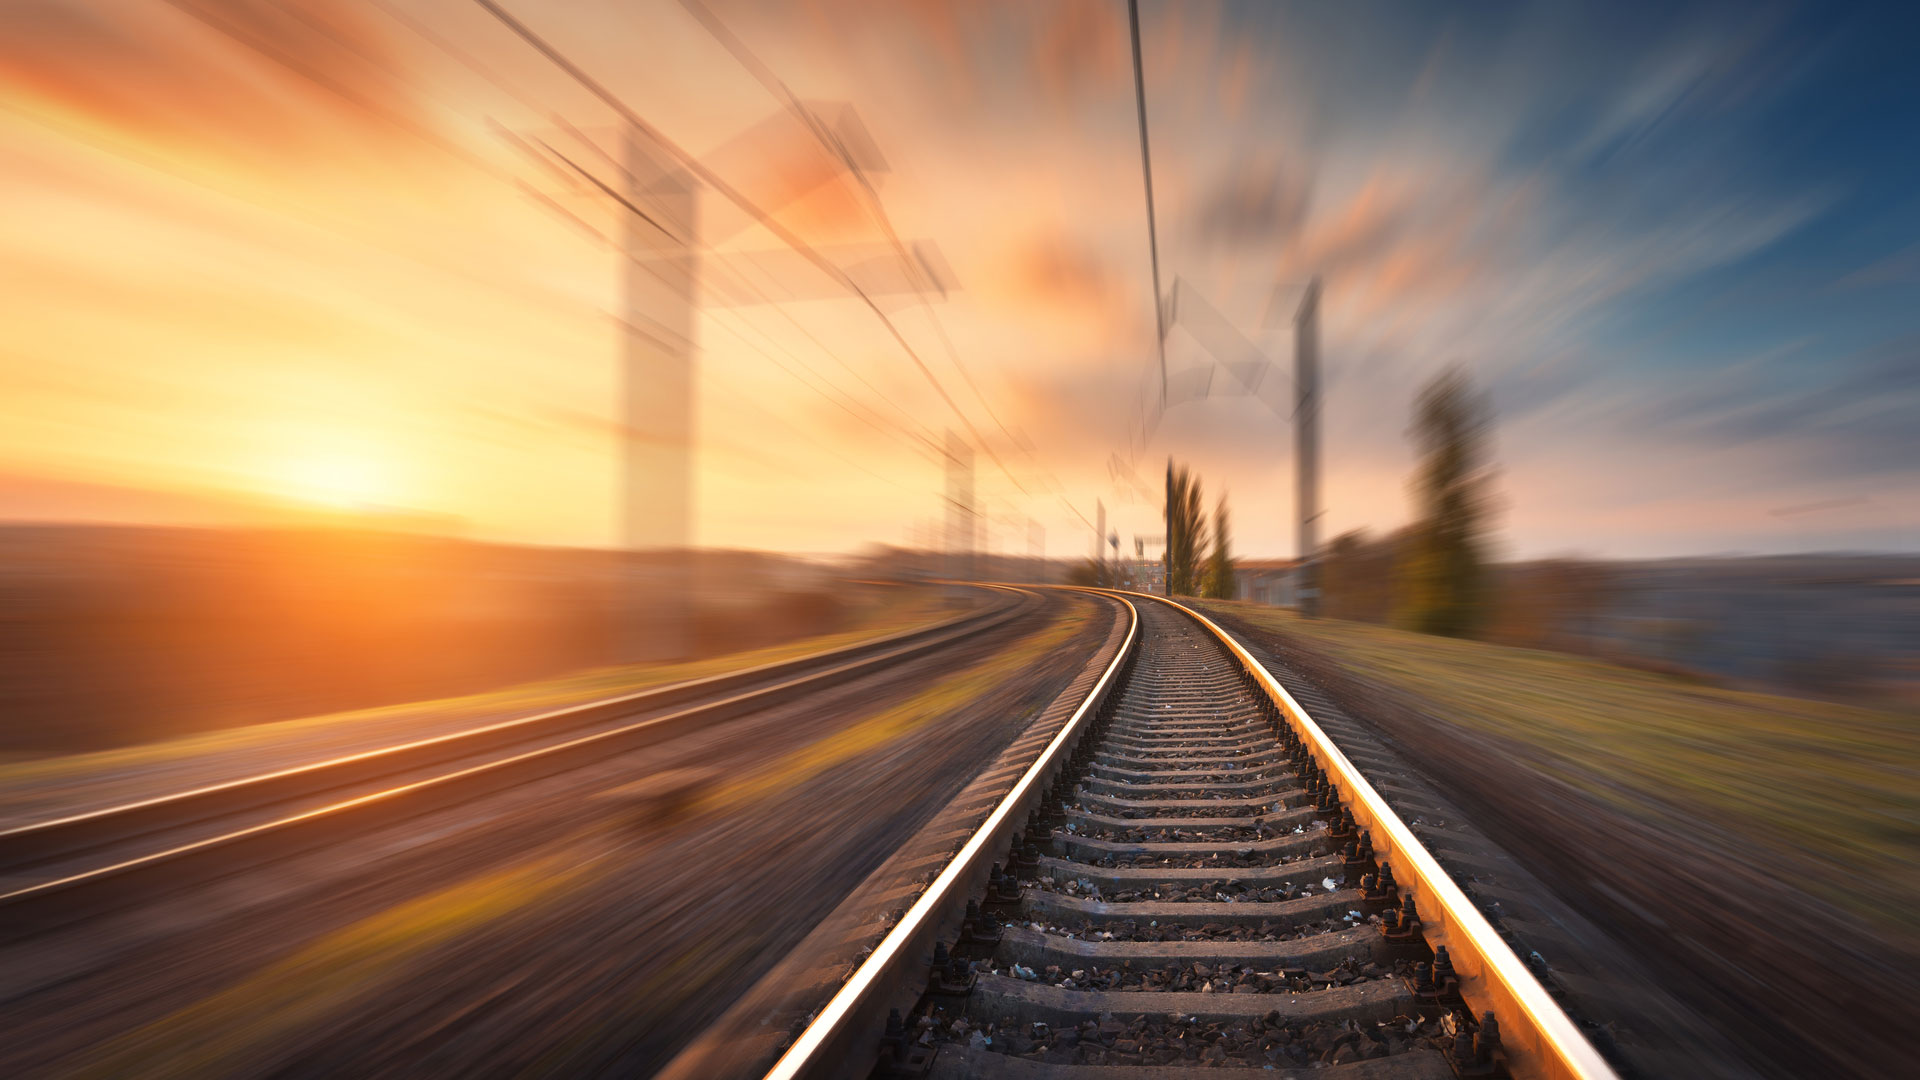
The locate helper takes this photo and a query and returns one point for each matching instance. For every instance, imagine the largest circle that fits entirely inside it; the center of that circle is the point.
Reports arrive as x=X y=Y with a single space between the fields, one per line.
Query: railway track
x=1190 y=874
x=62 y=870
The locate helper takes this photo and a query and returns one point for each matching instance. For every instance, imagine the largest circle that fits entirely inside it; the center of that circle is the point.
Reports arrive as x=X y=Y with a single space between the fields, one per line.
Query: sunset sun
x=340 y=479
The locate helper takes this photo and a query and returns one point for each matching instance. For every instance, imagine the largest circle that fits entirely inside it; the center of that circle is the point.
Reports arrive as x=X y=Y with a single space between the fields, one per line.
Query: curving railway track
x=63 y=869
x=1190 y=874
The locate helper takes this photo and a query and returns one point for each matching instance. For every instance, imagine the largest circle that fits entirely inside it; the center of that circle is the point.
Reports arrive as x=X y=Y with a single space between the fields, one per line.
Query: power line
x=544 y=155
x=761 y=294
x=734 y=195
x=736 y=274
x=655 y=330
x=822 y=443
x=488 y=74
x=876 y=208
x=1146 y=171
x=574 y=172
x=607 y=190
x=826 y=137
x=875 y=422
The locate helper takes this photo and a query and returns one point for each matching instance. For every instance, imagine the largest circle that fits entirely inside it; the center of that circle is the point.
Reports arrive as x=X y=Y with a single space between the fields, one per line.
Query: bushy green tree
x=1357 y=573
x=1220 y=580
x=1093 y=572
x=1186 y=531
x=1442 y=574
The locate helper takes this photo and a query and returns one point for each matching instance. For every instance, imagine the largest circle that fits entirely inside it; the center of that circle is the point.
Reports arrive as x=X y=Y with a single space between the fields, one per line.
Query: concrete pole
x=1306 y=426
x=1100 y=542
x=961 y=525
x=1166 y=542
x=659 y=279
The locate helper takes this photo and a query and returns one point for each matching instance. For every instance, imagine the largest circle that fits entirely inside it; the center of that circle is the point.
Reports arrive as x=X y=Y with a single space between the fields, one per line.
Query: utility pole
x=1146 y=174
x=1166 y=550
x=961 y=526
x=1099 y=542
x=1306 y=426
x=1037 y=549
x=659 y=286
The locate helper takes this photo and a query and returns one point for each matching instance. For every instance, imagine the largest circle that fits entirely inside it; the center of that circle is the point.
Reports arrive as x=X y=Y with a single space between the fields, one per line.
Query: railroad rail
x=1190 y=873
x=64 y=869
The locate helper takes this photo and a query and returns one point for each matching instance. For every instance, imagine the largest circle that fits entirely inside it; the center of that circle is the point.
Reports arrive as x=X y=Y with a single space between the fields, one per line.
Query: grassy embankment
x=1832 y=791
x=940 y=699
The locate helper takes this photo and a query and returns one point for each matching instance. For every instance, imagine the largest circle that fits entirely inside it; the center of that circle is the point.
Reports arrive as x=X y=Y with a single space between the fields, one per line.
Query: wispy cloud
x=1529 y=192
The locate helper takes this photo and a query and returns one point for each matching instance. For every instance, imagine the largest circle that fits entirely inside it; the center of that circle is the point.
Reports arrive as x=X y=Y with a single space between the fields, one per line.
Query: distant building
x=1149 y=575
x=1267 y=581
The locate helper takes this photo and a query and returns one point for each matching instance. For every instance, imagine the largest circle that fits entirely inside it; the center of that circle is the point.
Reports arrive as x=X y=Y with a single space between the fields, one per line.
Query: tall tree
x=1186 y=530
x=1196 y=515
x=1443 y=574
x=1357 y=575
x=1220 y=582
x=1167 y=513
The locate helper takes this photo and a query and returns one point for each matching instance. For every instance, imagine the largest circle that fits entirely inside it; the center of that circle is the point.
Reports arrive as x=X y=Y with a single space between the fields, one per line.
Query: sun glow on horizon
x=346 y=479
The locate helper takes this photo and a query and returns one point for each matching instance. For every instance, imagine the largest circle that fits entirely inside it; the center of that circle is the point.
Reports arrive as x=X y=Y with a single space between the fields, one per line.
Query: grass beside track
x=29 y=787
x=1830 y=793
x=942 y=698
x=226 y=1033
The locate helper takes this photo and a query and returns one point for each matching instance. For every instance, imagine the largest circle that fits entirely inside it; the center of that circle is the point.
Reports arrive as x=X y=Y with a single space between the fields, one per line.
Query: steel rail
x=1539 y=1038
x=821 y=1049
x=31 y=842
x=35 y=906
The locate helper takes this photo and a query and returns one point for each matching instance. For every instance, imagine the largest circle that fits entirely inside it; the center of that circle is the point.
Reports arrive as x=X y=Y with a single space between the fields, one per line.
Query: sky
x=273 y=261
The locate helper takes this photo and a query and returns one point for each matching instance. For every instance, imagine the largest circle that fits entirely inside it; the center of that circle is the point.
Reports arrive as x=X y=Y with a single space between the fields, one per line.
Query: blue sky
x=1717 y=345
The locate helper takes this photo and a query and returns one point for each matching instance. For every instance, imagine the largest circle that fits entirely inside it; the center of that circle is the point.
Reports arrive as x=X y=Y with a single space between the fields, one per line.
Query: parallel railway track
x=1190 y=874
x=61 y=870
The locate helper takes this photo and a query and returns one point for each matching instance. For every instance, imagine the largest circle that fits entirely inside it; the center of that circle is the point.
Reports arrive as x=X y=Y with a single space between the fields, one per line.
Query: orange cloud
x=935 y=24
x=228 y=76
x=1059 y=276
x=1360 y=230
x=1236 y=82
x=1080 y=46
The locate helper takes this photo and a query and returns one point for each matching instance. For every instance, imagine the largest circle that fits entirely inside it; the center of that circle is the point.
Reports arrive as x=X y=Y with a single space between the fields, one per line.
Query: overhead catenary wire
x=742 y=279
x=876 y=421
x=571 y=173
x=1146 y=172
x=575 y=177
x=1144 y=427
x=491 y=76
x=720 y=184
x=741 y=276
x=775 y=85
x=819 y=442
x=876 y=209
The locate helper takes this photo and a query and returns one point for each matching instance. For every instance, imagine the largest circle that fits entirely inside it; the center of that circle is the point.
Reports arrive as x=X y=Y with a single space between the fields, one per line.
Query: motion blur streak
x=1533 y=386
x=232 y=1030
